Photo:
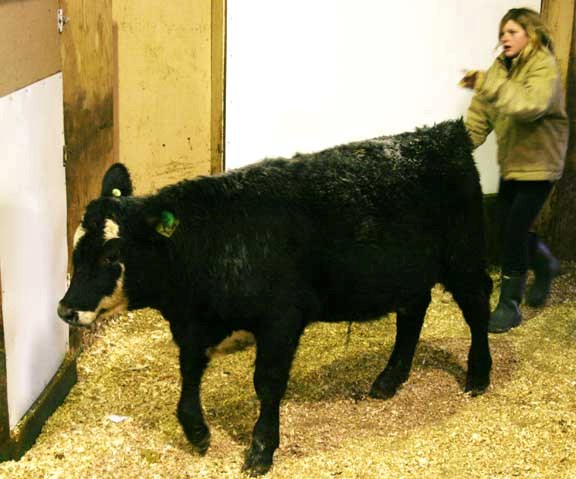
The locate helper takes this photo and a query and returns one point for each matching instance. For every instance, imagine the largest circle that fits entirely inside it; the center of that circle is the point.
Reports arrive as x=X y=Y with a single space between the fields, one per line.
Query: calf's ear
x=167 y=224
x=164 y=223
x=116 y=181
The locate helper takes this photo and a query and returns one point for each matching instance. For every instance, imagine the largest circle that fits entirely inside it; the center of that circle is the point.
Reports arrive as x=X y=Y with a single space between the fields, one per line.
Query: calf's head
x=107 y=248
x=97 y=284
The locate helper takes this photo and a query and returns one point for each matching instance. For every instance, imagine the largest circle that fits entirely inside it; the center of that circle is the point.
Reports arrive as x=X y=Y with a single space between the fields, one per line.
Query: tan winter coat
x=525 y=107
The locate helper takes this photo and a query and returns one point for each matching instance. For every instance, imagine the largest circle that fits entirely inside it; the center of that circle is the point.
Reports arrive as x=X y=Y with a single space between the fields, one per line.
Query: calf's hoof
x=199 y=438
x=385 y=387
x=258 y=461
x=202 y=444
x=476 y=385
x=385 y=391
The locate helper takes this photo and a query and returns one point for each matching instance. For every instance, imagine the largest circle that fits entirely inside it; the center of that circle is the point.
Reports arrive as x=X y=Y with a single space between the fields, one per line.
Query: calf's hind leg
x=409 y=320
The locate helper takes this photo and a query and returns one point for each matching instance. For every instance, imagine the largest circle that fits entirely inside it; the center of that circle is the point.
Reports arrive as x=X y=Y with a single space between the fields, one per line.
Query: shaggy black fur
x=349 y=233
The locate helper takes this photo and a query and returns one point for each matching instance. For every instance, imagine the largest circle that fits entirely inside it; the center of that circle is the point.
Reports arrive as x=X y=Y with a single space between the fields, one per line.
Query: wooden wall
x=169 y=89
x=559 y=16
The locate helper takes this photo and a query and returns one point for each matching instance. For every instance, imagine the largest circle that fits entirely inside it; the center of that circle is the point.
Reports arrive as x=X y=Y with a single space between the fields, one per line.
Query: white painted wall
x=33 y=254
x=303 y=75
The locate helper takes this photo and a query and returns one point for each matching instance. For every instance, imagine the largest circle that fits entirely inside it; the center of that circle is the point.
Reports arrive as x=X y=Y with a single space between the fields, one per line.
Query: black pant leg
x=522 y=202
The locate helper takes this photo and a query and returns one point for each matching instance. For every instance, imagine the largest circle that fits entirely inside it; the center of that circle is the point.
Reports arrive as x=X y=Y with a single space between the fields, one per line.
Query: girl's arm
x=477 y=121
x=527 y=99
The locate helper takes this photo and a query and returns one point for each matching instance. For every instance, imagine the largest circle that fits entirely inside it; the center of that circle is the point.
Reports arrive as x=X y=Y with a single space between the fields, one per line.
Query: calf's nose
x=67 y=314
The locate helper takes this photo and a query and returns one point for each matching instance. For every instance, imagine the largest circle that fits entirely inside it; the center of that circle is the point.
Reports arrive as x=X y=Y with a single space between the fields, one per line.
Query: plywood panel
x=164 y=86
x=29 y=43
x=33 y=243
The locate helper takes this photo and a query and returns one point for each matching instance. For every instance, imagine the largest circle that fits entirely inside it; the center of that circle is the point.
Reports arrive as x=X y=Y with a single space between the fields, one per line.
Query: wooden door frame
x=218 y=87
x=4 y=419
x=556 y=222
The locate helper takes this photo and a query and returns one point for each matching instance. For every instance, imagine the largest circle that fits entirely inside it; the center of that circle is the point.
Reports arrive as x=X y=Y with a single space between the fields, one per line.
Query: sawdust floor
x=119 y=420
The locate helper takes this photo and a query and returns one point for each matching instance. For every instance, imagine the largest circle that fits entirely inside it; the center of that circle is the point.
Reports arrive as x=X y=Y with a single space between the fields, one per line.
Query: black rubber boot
x=507 y=314
x=546 y=267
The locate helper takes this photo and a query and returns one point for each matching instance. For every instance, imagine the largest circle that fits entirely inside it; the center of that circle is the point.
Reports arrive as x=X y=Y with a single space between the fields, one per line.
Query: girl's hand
x=469 y=79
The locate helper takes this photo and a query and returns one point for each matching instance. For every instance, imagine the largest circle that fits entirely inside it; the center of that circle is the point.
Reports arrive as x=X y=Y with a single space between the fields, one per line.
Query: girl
x=520 y=97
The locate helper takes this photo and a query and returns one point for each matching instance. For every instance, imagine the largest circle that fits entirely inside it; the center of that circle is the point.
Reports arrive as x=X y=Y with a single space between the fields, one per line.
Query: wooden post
x=557 y=223
x=88 y=73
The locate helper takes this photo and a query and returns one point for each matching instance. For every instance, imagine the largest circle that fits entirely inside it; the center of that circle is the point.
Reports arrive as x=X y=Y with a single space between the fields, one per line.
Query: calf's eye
x=110 y=259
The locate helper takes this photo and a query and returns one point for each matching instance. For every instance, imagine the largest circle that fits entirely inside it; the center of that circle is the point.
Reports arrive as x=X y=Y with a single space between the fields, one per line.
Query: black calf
x=347 y=234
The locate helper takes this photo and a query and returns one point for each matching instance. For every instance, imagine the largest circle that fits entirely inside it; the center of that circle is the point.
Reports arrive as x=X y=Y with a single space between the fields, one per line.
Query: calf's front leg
x=193 y=362
x=275 y=352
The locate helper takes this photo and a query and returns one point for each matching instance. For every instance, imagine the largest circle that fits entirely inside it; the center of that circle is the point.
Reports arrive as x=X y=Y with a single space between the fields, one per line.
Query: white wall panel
x=33 y=254
x=308 y=74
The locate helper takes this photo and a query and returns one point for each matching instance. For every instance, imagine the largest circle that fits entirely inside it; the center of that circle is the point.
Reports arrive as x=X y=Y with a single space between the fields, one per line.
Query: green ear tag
x=168 y=223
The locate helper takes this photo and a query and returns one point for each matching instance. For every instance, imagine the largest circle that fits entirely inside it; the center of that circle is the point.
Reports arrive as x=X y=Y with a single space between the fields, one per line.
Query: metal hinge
x=64 y=156
x=62 y=20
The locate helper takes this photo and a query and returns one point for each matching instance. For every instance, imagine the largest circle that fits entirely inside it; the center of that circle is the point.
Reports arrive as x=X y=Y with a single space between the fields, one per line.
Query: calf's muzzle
x=68 y=315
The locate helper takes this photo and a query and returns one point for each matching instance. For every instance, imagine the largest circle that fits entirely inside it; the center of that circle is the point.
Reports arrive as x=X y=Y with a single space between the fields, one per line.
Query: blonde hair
x=538 y=33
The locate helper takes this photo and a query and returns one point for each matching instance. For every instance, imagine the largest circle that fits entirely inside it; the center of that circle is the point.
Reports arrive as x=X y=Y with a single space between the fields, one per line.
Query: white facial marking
x=80 y=232
x=115 y=303
x=111 y=230
x=86 y=317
